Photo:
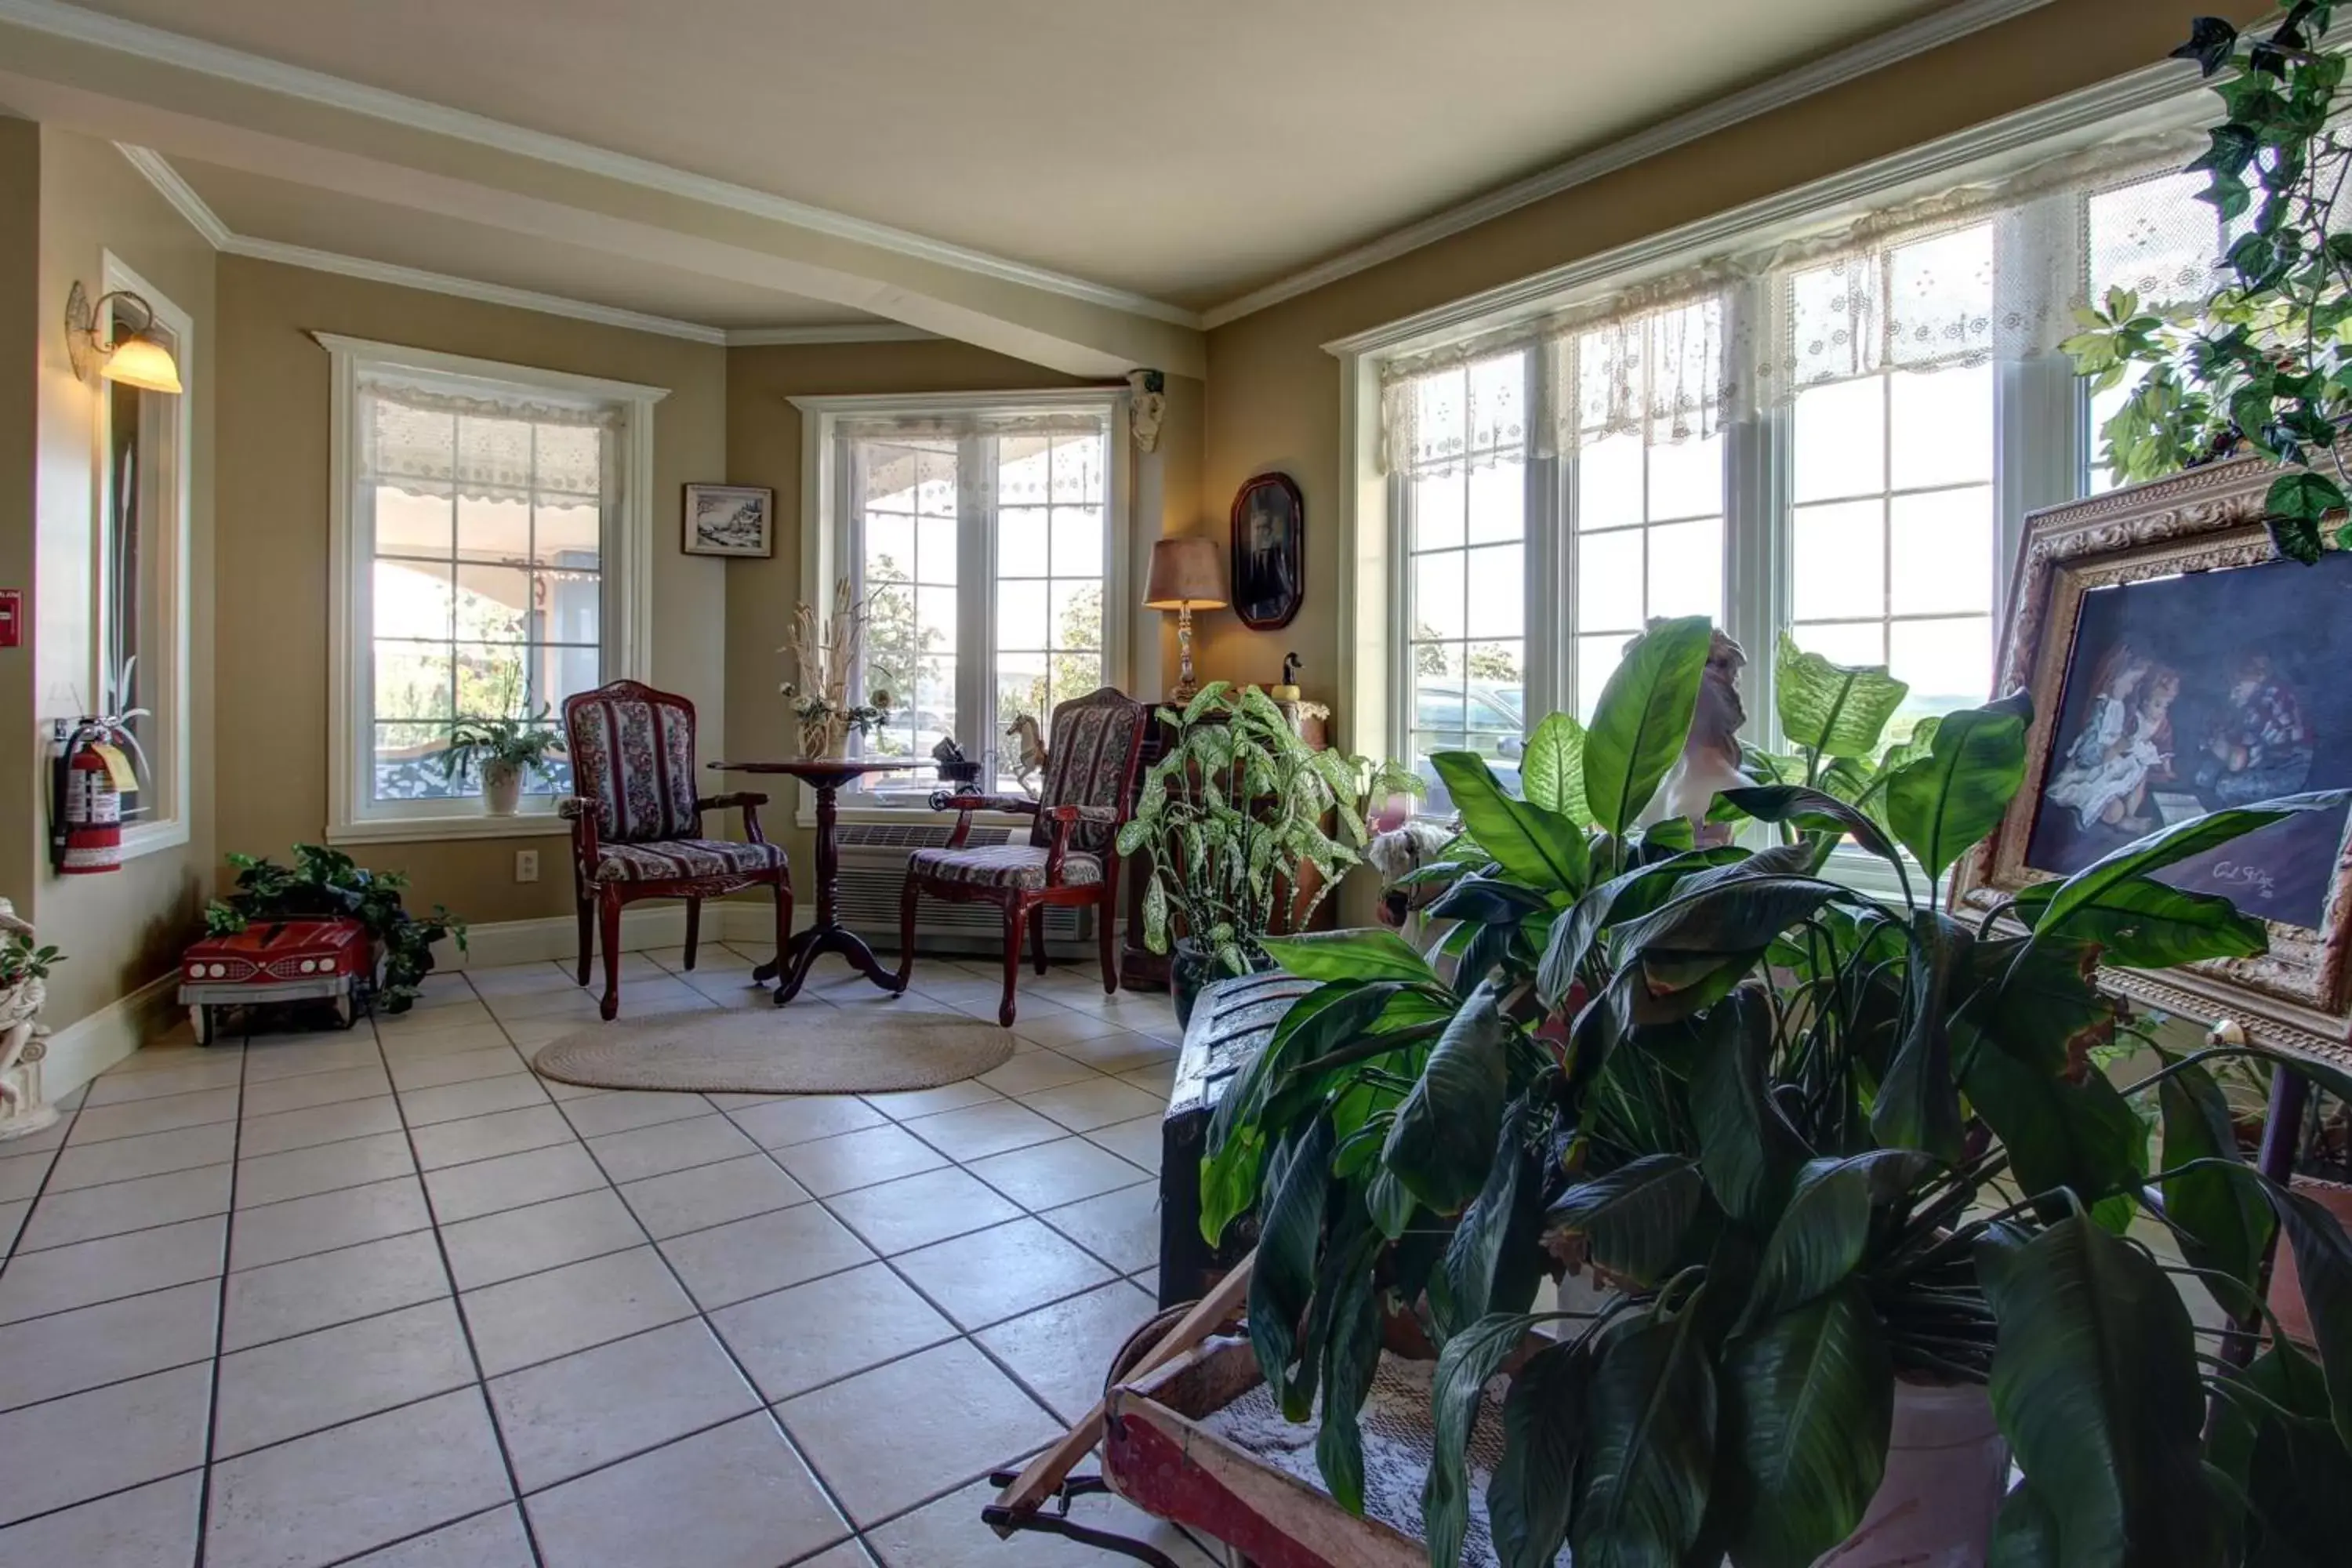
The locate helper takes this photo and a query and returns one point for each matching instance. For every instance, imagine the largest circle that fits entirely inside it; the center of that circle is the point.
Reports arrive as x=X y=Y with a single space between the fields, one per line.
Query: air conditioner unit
x=874 y=878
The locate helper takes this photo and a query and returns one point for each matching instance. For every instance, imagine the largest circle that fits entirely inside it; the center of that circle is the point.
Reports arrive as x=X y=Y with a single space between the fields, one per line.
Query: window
x=981 y=532
x=1833 y=435
x=492 y=521
x=141 y=625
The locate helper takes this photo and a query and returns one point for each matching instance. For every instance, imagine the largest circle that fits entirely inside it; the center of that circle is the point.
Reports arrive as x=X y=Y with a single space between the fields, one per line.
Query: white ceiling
x=258 y=207
x=1188 y=149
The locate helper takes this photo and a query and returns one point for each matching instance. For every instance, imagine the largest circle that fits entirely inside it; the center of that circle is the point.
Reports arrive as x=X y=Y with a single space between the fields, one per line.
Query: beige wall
x=273 y=560
x=1274 y=396
x=123 y=929
x=21 y=813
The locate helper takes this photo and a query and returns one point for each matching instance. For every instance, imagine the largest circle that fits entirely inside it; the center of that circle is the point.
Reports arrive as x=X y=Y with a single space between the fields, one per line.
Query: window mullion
x=976 y=638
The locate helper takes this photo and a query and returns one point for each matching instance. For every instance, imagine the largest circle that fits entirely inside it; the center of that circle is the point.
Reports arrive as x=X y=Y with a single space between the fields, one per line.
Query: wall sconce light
x=133 y=358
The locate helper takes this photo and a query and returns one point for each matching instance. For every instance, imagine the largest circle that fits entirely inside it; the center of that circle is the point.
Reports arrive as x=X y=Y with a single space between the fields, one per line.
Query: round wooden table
x=825 y=775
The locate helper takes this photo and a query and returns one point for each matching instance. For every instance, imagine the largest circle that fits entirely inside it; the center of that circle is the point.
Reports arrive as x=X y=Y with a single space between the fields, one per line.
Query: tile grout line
x=481 y=1384
x=702 y=1316
x=41 y=1190
x=220 y=1328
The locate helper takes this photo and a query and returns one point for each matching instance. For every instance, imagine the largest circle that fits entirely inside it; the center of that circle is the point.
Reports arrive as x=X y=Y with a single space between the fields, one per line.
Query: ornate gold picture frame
x=2165 y=536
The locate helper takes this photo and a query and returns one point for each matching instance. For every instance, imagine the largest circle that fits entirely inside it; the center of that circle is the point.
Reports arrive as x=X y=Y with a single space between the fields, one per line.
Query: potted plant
x=1232 y=809
x=828 y=659
x=2263 y=359
x=323 y=881
x=500 y=751
x=1837 y=1167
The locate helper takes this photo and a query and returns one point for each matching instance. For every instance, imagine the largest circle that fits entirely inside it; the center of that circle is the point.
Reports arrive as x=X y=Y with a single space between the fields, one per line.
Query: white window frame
x=354 y=817
x=824 y=544
x=166 y=692
x=2041 y=394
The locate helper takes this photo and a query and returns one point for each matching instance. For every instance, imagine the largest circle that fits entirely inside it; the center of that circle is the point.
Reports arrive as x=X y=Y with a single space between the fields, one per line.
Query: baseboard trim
x=557 y=937
x=88 y=1047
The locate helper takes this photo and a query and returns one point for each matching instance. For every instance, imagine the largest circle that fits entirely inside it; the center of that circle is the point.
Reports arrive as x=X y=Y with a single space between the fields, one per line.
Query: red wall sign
x=12 y=617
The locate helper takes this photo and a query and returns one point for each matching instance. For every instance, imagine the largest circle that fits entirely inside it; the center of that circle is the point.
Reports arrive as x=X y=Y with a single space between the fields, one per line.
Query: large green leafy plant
x=1810 y=1143
x=327 y=883
x=2263 y=360
x=1232 y=809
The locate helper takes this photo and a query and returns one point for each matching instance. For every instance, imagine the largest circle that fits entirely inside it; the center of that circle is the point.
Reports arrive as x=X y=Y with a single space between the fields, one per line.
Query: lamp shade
x=142 y=363
x=1186 y=574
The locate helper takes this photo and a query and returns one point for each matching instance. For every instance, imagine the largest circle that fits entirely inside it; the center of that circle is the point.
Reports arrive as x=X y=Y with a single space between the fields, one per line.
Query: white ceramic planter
x=1947 y=1472
x=501 y=788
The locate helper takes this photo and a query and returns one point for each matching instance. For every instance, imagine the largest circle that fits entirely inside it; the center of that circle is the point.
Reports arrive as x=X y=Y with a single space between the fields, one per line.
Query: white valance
x=1910 y=286
x=948 y=426
x=486 y=447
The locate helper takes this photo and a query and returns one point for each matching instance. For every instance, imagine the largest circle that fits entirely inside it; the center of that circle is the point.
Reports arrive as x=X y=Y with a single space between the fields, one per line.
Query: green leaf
x=1527 y=1499
x=1943 y=804
x=1747 y=1148
x=2304 y=496
x=1815 y=810
x=2296 y=1473
x=1808 y=1398
x=1821 y=1233
x=2094 y=1383
x=1351 y=1356
x=1443 y=1139
x=1733 y=910
x=2223 y=1225
x=2077 y=1133
x=2143 y=923
x=1634 y=1218
x=1370 y=954
x=2168 y=846
x=1479 y=1257
x=1282 y=1281
x=2211 y=42
x=1468 y=1360
x=2026 y=1533
x=1635 y=893
x=2323 y=1263
x=1918 y=1102
x=1643 y=716
x=1836 y=711
x=1551 y=769
x=1649 y=1449
x=1543 y=849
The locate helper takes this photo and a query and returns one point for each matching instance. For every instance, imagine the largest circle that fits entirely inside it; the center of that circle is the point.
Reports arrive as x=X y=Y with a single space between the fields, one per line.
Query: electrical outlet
x=526 y=864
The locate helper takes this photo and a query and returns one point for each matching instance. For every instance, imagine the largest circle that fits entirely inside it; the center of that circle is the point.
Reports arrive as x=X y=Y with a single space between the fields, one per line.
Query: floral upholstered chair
x=637 y=823
x=1070 y=858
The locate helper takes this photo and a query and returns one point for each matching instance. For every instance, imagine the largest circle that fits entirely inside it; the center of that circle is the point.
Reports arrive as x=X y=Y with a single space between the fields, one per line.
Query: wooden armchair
x=1071 y=859
x=637 y=823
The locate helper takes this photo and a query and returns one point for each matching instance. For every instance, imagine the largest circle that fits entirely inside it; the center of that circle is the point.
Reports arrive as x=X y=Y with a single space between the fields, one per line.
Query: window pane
x=1840 y=567
x=1498 y=590
x=412 y=681
x=935 y=483
x=1687 y=568
x=1021 y=614
x=412 y=522
x=1686 y=479
x=1437 y=596
x=1840 y=433
x=1078 y=541
x=571 y=606
x=935 y=615
x=493 y=603
x=497 y=530
x=491 y=680
x=1077 y=615
x=1943 y=551
x=568 y=534
x=1948 y=664
x=412 y=599
x=407 y=763
x=1609 y=482
x=1596 y=661
x=1077 y=468
x=1437 y=510
x=935 y=549
x=1499 y=501
x=1608 y=596
x=1023 y=535
x=1862 y=643
x=1943 y=427
x=1497 y=391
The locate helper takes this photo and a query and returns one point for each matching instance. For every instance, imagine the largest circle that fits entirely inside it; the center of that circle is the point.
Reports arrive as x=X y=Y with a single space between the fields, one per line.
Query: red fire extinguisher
x=89 y=837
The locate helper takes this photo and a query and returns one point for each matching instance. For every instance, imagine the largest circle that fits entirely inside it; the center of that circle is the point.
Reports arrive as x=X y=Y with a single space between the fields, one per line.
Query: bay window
x=1833 y=437
x=983 y=535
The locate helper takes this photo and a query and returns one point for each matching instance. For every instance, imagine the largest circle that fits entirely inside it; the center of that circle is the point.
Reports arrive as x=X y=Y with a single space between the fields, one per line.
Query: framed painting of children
x=2179 y=666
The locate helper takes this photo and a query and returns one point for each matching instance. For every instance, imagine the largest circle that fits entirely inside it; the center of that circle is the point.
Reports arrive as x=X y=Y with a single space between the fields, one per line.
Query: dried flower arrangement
x=828 y=656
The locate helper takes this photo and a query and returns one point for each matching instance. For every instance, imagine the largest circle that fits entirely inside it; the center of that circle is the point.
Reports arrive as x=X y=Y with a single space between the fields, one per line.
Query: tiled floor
x=386 y=1298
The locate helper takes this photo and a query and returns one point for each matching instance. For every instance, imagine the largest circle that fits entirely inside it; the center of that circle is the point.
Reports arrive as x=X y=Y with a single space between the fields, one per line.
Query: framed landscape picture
x=2179 y=666
x=730 y=520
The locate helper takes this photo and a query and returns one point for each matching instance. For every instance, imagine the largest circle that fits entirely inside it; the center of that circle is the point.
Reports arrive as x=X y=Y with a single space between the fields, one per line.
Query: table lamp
x=1187 y=575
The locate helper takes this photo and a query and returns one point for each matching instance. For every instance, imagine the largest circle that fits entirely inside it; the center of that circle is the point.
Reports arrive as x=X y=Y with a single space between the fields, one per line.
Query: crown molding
x=1889 y=47
x=221 y=237
x=841 y=332
x=257 y=71
x=2147 y=89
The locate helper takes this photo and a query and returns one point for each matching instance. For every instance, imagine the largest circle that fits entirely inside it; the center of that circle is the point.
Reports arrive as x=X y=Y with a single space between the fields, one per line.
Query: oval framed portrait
x=1269 y=564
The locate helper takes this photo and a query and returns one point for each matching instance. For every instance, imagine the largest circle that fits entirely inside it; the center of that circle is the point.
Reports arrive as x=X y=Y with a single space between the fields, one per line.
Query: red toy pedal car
x=277 y=961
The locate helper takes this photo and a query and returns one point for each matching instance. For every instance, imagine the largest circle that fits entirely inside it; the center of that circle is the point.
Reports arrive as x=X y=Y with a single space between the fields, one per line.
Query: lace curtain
x=1983 y=272
x=428 y=441
x=957 y=427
